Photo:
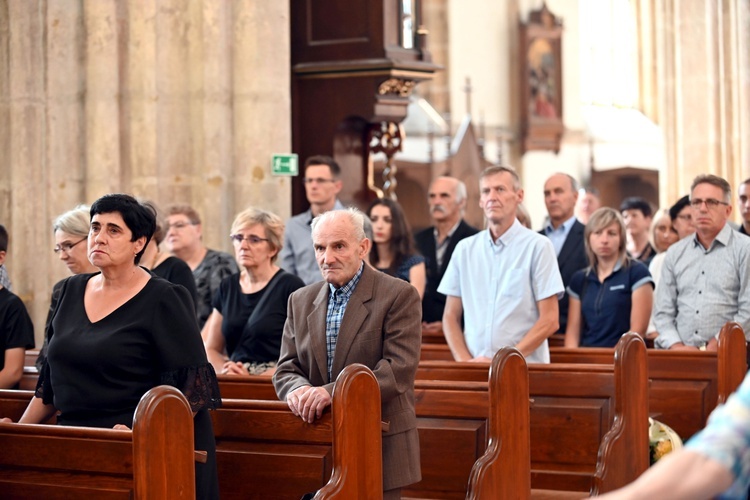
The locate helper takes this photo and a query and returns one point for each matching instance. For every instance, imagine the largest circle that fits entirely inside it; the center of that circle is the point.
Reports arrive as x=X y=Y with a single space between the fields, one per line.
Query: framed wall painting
x=541 y=81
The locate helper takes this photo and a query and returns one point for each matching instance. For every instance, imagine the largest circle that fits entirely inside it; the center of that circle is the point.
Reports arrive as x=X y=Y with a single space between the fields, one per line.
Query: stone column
x=703 y=69
x=166 y=99
x=26 y=219
x=103 y=121
x=262 y=105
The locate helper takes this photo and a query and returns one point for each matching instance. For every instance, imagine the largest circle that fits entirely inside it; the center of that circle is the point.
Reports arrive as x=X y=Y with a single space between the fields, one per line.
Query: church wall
x=164 y=99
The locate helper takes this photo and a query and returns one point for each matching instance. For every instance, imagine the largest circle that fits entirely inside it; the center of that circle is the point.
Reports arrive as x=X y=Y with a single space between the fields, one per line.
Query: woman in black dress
x=250 y=307
x=120 y=332
x=164 y=264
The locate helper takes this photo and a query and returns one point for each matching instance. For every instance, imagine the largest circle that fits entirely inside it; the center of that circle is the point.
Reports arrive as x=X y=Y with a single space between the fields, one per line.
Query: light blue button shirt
x=499 y=283
x=559 y=235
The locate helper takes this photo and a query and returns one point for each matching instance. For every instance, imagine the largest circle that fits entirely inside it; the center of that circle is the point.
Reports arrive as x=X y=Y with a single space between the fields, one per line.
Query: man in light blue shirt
x=322 y=185
x=504 y=280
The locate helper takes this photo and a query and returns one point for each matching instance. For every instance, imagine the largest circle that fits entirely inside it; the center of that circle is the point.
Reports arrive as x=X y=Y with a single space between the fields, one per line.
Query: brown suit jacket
x=382 y=330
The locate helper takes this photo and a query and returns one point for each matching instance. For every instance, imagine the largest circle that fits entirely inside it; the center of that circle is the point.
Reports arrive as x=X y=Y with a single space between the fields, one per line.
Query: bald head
x=560 y=196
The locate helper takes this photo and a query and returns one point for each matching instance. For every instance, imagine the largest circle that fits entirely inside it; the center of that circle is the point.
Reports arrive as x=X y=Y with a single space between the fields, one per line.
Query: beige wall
x=165 y=99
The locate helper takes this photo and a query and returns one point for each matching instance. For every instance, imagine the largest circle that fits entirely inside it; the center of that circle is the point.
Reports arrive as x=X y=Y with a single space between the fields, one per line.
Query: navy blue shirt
x=605 y=307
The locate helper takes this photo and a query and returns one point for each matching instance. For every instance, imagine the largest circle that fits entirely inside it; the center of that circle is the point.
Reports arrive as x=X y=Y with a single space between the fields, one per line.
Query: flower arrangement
x=662 y=440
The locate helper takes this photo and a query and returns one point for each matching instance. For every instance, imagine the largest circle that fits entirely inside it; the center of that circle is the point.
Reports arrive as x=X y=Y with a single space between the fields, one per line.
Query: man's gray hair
x=713 y=180
x=499 y=169
x=460 y=191
x=356 y=219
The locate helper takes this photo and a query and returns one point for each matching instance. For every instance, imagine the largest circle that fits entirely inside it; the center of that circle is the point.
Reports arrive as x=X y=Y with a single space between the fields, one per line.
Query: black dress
x=96 y=373
x=176 y=271
x=255 y=339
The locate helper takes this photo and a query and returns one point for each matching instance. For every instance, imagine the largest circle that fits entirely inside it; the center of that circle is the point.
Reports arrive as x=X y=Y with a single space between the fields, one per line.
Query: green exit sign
x=285 y=165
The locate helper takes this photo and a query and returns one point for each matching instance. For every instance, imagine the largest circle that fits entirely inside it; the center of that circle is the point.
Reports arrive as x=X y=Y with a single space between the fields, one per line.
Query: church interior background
x=186 y=101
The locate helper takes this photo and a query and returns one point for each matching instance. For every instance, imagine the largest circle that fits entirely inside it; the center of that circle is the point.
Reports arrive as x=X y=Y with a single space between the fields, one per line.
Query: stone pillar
x=703 y=69
x=140 y=98
x=26 y=219
x=214 y=151
x=166 y=99
x=262 y=105
x=104 y=173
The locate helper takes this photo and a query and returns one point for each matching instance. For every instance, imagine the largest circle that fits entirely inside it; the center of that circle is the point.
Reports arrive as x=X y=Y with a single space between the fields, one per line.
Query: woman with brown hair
x=393 y=250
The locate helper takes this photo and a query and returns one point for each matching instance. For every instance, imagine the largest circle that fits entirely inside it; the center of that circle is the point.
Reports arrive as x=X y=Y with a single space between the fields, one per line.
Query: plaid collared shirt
x=4 y=279
x=337 y=301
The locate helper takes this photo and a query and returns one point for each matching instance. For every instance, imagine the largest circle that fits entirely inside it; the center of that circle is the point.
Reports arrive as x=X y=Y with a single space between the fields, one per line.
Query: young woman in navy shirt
x=614 y=295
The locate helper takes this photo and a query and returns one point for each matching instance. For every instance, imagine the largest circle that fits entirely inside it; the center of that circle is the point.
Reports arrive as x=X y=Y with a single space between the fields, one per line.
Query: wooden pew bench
x=588 y=430
x=264 y=451
x=49 y=461
x=451 y=416
x=685 y=386
x=435 y=352
x=574 y=405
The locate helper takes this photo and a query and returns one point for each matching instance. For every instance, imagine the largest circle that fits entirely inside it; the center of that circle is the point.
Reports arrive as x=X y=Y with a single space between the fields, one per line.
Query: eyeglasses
x=317 y=180
x=179 y=225
x=237 y=239
x=685 y=217
x=67 y=247
x=710 y=203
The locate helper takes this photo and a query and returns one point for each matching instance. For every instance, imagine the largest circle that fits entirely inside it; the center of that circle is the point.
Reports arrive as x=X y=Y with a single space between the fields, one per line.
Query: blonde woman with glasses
x=249 y=309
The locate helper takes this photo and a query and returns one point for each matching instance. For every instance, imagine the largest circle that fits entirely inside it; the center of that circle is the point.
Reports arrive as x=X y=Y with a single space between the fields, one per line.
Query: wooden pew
x=28 y=379
x=447 y=412
x=155 y=460
x=685 y=386
x=433 y=337
x=588 y=430
x=435 y=352
x=606 y=402
x=264 y=451
x=504 y=470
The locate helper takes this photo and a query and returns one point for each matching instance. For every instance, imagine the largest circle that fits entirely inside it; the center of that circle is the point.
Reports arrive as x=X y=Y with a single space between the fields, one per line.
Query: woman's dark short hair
x=139 y=217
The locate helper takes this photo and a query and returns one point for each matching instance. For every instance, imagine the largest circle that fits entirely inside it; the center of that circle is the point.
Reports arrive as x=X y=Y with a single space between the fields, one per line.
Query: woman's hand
x=120 y=427
x=233 y=368
x=6 y=420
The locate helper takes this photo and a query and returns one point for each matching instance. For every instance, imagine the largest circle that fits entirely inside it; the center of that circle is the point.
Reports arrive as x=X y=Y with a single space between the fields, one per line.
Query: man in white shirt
x=504 y=280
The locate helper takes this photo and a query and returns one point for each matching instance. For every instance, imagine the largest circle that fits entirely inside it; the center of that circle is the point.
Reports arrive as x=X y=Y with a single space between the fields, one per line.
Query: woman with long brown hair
x=393 y=250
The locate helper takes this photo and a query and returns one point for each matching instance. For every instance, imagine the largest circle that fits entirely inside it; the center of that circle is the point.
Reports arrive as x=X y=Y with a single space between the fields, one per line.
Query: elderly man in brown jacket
x=357 y=315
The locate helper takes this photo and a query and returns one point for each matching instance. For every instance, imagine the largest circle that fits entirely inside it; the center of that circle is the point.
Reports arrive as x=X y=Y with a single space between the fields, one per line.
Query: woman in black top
x=250 y=307
x=164 y=264
x=118 y=333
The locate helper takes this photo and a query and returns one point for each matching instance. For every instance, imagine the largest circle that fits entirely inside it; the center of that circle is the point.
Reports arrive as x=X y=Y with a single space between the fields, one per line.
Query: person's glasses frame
x=710 y=202
x=237 y=239
x=67 y=247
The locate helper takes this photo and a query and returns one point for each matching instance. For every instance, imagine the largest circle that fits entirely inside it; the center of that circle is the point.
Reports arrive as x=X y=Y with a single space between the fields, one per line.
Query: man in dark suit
x=566 y=233
x=358 y=315
x=447 y=199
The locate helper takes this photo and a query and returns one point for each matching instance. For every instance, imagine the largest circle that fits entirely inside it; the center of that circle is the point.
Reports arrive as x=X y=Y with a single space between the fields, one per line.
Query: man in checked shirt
x=357 y=315
x=705 y=279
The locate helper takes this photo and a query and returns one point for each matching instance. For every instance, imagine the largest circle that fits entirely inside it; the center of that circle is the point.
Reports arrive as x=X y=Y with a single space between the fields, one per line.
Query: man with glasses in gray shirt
x=705 y=281
x=322 y=185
